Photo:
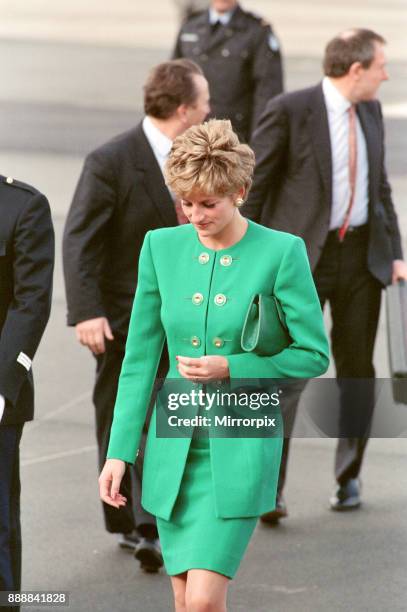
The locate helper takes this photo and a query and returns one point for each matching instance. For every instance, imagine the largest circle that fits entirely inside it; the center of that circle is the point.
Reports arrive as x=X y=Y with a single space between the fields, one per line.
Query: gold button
x=197 y=298
x=220 y=299
x=218 y=342
x=9 y=180
x=203 y=258
x=225 y=260
x=195 y=341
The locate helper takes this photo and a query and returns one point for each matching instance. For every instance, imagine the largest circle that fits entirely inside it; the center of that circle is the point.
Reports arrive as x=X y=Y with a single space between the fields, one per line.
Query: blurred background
x=71 y=77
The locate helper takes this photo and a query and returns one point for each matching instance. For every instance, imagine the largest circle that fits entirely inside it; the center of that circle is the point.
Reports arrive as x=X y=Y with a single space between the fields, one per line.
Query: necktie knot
x=215 y=26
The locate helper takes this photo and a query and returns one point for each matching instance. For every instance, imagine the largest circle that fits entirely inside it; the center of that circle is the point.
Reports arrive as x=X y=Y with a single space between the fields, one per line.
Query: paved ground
x=72 y=76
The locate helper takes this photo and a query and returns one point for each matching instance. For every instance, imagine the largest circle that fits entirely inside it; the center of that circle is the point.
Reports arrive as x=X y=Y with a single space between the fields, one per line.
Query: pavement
x=71 y=78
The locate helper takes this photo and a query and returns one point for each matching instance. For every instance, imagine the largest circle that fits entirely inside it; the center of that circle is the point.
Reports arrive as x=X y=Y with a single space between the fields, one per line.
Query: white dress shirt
x=338 y=118
x=224 y=18
x=159 y=142
x=2 y=403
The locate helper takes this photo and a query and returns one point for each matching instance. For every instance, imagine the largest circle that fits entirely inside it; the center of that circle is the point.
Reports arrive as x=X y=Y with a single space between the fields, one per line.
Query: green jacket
x=173 y=267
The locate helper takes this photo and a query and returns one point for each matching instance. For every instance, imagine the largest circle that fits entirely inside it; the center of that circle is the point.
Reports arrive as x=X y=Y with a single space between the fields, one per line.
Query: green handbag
x=265 y=331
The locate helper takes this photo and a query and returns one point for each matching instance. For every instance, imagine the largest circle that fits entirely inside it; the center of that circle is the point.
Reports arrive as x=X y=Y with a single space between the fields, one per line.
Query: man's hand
x=109 y=482
x=2 y=404
x=92 y=333
x=203 y=369
x=399 y=270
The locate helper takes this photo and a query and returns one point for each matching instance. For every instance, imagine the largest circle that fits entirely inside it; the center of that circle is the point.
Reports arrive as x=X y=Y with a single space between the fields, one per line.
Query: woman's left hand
x=203 y=369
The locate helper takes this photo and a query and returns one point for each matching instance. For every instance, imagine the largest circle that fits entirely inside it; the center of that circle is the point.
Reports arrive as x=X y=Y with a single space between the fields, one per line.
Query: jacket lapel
x=153 y=178
x=373 y=146
x=319 y=133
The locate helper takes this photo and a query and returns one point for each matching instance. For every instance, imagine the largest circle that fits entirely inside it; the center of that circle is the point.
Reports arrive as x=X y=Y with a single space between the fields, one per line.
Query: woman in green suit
x=195 y=284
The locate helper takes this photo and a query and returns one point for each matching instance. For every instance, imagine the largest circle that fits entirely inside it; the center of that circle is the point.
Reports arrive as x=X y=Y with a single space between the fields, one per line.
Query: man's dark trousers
x=342 y=279
x=10 y=528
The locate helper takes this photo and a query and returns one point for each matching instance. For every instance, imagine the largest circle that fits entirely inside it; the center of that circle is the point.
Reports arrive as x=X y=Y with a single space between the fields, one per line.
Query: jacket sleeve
x=387 y=200
x=85 y=238
x=270 y=144
x=143 y=351
x=267 y=73
x=308 y=354
x=28 y=313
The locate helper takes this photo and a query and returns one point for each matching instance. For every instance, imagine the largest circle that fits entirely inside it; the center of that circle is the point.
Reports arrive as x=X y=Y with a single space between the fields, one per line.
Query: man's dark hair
x=169 y=85
x=356 y=45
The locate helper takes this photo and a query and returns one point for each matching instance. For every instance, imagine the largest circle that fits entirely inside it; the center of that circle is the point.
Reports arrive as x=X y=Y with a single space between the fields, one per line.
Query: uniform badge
x=273 y=43
x=189 y=37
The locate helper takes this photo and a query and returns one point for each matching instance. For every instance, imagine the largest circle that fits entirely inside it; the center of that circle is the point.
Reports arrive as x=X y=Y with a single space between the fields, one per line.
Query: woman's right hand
x=109 y=482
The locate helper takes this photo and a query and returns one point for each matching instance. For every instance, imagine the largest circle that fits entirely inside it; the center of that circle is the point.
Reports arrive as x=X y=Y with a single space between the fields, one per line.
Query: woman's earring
x=239 y=202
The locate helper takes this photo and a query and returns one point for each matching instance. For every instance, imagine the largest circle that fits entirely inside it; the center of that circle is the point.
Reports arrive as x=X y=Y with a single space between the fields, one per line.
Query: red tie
x=179 y=212
x=352 y=170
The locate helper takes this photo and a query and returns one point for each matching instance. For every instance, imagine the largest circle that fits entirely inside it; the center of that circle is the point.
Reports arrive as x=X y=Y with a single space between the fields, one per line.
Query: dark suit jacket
x=121 y=195
x=292 y=188
x=26 y=268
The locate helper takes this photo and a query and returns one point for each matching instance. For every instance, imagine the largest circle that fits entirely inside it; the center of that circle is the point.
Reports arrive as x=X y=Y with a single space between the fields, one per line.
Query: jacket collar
x=211 y=40
x=319 y=133
x=145 y=161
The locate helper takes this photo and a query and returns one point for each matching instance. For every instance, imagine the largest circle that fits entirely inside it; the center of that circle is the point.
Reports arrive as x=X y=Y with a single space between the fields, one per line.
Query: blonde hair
x=210 y=159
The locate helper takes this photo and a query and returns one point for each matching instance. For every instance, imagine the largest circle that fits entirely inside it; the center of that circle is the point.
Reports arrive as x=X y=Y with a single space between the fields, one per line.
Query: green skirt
x=194 y=538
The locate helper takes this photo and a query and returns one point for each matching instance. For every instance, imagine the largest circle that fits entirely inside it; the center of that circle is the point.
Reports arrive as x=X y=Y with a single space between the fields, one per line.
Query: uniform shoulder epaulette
x=260 y=20
x=194 y=16
x=9 y=180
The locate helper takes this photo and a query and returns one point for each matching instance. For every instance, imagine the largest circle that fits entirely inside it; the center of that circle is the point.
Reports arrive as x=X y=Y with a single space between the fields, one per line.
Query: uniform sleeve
x=85 y=239
x=308 y=354
x=387 y=199
x=270 y=145
x=143 y=351
x=267 y=73
x=28 y=313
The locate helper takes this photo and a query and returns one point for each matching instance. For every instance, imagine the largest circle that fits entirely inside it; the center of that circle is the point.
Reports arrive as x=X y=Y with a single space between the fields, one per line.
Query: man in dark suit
x=26 y=268
x=320 y=174
x=120 y=196
x=239 y=55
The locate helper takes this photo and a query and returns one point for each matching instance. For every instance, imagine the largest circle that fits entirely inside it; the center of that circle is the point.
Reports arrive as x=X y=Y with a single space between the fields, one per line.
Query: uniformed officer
x=240 y=57
x=26 y=268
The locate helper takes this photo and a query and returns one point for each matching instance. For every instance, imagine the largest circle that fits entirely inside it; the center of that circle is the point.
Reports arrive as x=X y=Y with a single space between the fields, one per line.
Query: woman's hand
x=203 y=369
x=109 y=482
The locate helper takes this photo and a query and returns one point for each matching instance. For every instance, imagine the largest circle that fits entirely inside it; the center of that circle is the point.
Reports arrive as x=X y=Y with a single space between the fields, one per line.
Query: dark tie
x=215 y=26
x=352 y=169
